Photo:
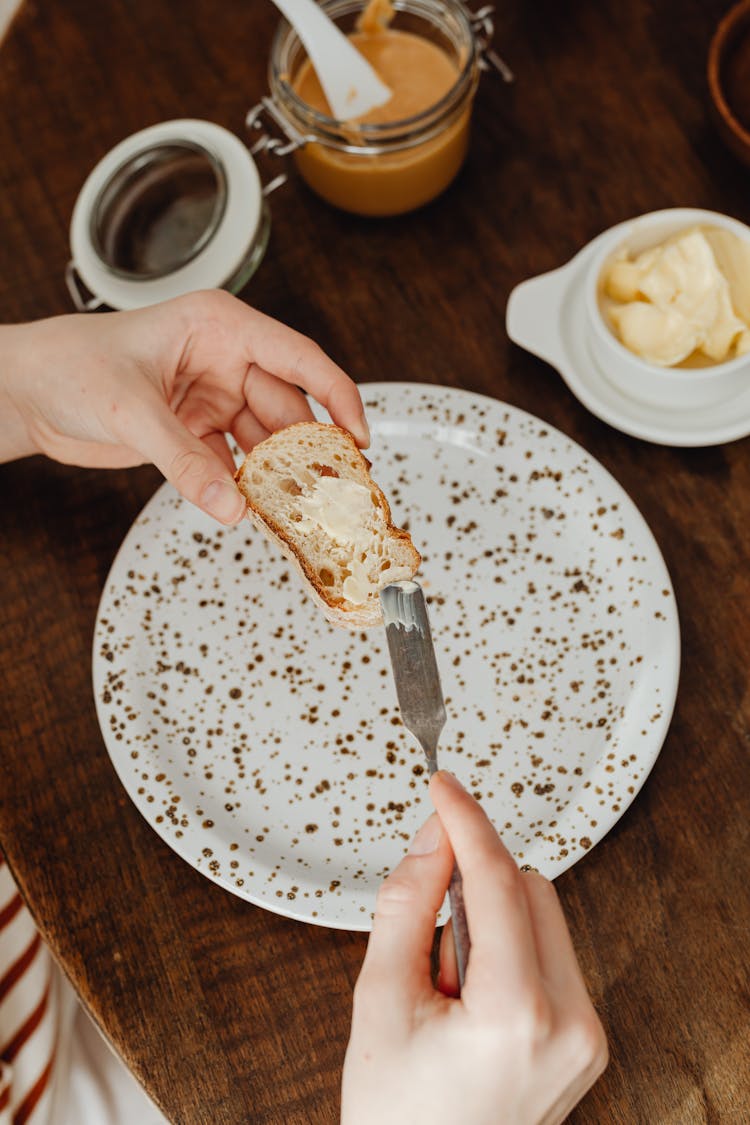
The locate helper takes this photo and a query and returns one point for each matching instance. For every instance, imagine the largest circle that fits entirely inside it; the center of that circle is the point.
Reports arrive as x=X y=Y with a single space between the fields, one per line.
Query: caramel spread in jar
x=402 y=154
x=418 y=72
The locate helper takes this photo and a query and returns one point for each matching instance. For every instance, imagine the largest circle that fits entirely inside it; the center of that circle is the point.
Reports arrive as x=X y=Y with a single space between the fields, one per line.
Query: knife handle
x=461 y=939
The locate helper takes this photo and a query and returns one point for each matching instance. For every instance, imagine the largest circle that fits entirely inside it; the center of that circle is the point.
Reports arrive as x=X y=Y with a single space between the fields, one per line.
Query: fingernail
x=363 y=432
x=428 y=838
x=450 y=779
x=224 y=501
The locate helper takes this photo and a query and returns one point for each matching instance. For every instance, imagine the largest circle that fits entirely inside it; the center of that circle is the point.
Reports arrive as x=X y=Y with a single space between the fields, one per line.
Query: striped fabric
x=55 y=1067
x=29 y=1014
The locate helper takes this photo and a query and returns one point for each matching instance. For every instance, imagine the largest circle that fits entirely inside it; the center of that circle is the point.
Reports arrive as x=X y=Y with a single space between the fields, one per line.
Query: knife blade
x=420 y=700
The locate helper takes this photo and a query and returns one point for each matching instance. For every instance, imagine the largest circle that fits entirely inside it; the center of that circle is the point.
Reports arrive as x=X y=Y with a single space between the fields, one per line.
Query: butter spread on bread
x=308 y=487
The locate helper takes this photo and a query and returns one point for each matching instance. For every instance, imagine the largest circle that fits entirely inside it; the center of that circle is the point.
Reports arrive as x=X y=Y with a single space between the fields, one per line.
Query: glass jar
x=379 y=169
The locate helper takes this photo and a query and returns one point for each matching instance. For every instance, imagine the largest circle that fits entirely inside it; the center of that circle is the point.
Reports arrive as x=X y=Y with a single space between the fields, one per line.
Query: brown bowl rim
x=722 y=36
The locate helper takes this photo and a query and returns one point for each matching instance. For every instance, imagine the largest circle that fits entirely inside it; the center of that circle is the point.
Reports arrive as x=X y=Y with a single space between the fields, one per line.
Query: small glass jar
x=380 y=169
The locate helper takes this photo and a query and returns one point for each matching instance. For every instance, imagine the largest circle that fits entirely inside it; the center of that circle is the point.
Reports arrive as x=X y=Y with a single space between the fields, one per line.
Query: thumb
x=196 y=470
x=396 y=969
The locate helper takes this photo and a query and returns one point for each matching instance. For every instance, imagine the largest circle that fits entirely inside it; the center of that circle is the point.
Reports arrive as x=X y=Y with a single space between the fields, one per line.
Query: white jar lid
x=213 y=259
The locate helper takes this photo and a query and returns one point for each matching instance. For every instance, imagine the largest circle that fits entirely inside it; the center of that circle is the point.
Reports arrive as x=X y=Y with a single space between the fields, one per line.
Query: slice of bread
x=309 y=489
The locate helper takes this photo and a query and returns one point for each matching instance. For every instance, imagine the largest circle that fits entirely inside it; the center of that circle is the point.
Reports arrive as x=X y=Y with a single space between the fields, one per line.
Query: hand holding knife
x=420 y=700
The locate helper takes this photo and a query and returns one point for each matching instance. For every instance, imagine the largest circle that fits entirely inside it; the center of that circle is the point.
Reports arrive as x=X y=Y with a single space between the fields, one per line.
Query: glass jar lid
x=172 y=208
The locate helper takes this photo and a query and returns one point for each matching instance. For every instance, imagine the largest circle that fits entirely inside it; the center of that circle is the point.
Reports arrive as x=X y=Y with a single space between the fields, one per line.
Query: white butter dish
x=555 y=316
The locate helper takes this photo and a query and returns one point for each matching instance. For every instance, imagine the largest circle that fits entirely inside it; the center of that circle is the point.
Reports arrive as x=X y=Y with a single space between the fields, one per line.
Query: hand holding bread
x=169 y=383
x=165 y=384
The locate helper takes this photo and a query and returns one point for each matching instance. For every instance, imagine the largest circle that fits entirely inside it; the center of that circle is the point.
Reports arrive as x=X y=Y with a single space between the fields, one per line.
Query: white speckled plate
x=265 y=746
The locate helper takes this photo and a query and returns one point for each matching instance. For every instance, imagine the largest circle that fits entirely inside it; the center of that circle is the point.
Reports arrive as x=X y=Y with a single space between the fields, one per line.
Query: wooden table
x=226 y=1012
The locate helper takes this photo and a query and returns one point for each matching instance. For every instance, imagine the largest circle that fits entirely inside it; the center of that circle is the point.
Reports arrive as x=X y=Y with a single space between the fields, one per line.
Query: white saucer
x=546 y=315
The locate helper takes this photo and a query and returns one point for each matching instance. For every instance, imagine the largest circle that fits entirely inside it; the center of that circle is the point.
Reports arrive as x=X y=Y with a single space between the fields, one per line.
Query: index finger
x=298 y=360
x=503 y=962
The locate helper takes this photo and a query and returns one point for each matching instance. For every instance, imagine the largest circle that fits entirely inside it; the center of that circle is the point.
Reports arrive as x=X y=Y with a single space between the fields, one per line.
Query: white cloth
x=55 y=1067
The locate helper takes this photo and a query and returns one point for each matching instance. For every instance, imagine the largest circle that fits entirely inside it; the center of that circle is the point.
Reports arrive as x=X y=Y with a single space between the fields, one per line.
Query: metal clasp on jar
x=271 y=144
x=483 y=27
x=83 y=300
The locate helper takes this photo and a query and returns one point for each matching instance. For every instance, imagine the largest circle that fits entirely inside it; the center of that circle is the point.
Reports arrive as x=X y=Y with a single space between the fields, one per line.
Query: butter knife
x=420 y=700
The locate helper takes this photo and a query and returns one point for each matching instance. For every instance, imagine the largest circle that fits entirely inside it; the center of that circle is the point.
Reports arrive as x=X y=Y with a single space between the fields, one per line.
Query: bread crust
x=337 y=609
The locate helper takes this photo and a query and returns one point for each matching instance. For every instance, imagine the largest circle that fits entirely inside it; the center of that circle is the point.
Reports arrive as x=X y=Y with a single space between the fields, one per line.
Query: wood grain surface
x=227 y=1013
